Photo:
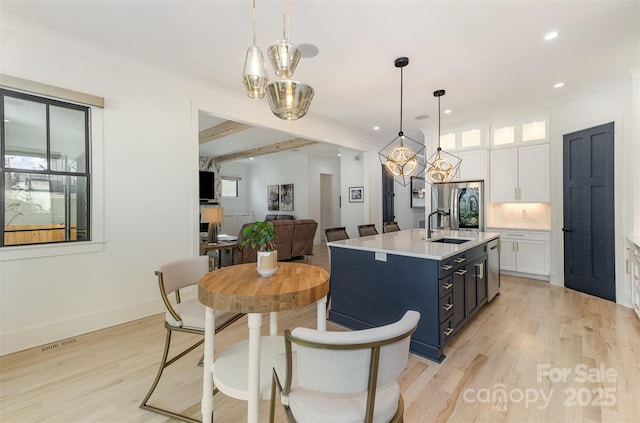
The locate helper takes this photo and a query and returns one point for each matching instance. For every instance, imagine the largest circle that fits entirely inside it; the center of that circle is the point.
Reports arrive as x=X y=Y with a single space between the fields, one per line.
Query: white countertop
x=412 y=243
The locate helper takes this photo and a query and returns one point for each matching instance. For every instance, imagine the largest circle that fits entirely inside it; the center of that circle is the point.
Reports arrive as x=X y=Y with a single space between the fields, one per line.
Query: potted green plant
x=260 y=236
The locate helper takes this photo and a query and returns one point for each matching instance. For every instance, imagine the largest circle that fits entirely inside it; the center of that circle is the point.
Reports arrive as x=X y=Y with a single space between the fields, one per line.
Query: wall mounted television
x=207 y=186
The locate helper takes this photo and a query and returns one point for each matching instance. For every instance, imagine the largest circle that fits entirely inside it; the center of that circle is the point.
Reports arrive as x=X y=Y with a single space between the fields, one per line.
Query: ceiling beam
x=267 y=149
x=221 y=130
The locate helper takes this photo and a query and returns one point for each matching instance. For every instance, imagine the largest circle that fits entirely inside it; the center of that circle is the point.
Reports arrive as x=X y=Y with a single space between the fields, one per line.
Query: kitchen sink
x=450 y=240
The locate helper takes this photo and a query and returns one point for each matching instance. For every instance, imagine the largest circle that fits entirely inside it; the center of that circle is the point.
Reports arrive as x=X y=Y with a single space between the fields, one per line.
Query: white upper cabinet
x=468 y=144
x=522 y=132
x=520 y=174
x=472 y=166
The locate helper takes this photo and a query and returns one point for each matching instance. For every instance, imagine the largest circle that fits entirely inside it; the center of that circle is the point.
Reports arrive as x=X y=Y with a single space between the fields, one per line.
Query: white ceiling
x=490 y=56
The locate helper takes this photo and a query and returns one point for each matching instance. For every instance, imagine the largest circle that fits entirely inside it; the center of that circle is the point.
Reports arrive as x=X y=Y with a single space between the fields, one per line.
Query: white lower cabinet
x=632 y=274
x=526 y=252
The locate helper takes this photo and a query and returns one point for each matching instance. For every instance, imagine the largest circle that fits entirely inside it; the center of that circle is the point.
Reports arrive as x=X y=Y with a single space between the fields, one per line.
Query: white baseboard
x=48 y=332
x=525 y=275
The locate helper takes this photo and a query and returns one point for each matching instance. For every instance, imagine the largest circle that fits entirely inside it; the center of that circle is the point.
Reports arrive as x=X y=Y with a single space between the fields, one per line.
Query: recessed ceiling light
x=250 y=158
x=375 y=128
x=558 y=85
x=550 y=35
x=422 y=117
x=230 y=142
x=446 y=112
x=339 y=155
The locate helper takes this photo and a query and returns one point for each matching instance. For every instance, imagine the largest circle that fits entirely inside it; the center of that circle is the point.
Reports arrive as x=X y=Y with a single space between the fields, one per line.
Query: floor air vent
x=55 y=345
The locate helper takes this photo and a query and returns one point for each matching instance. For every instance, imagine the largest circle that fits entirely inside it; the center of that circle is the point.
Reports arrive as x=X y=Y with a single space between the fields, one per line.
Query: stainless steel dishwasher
x=493 y=268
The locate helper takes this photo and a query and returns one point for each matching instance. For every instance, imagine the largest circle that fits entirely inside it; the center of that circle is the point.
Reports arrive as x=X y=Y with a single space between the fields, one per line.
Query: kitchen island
x=375 y=279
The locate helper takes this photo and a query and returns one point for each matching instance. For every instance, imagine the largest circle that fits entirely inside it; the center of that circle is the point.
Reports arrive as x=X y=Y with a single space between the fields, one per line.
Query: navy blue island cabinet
x=370 y=289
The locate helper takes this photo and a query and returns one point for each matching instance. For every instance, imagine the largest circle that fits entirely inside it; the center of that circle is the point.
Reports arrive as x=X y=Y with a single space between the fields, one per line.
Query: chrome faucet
x=441 y=213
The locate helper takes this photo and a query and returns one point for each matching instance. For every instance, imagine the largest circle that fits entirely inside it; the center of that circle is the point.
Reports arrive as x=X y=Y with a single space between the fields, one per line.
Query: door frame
x=556 y=167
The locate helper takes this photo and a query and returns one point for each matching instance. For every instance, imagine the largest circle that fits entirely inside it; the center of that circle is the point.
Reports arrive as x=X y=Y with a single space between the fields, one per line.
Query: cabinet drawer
x=451 y=263
x=445 y=286
x=446 y=266
x=446 y=331
x=522 y=235
x=446 y=307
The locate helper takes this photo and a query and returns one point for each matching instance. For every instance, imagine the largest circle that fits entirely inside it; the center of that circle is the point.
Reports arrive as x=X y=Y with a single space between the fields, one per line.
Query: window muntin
x=45 y=163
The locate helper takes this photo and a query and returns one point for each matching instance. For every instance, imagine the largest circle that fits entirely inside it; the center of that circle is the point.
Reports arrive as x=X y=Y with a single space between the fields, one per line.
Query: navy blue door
x=387 y=197
x=588 y=201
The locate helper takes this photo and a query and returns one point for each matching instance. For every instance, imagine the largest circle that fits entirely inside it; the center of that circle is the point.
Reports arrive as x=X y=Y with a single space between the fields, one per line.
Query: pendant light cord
x=439 y=124
x=285 y=23
x=401 y=89
x=254 y=22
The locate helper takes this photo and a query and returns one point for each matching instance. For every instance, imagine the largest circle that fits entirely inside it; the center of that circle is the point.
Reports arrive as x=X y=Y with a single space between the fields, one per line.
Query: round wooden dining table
x=244 y=370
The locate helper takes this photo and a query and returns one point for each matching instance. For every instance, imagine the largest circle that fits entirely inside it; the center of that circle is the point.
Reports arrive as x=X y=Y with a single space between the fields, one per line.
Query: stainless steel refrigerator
x=462 y=203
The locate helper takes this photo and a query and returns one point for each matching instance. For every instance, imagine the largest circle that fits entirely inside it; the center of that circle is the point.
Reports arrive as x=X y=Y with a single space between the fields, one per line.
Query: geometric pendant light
x=254 y=77
x=442 y=166
x=406 y=158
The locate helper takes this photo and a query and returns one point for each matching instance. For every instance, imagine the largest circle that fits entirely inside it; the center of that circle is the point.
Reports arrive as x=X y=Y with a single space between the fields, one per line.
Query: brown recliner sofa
x=272 y=217
x=294 y=238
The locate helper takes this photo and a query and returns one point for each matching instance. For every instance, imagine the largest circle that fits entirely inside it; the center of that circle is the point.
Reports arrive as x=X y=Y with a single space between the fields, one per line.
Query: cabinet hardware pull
x=447 y=267
x=461 y=272
x=447 y=286
x=447 y=307
x=480 y=274
x=448 y=332
x=460 y=260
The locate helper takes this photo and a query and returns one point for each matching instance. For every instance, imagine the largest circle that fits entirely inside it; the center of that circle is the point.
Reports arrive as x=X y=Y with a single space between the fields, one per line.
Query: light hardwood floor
x=533 y=344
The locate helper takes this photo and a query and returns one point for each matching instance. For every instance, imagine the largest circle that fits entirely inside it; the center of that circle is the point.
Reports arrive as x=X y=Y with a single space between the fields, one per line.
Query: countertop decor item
x=407 y=157
x=443 y=166
x=261 y=236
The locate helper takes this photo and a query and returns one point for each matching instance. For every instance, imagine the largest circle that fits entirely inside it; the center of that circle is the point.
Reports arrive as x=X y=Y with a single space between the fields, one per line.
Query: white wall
x=150 y=161
x=278 y=171
x=352 y=175
x=317 y=167
x=241 y=203
x=614 y=104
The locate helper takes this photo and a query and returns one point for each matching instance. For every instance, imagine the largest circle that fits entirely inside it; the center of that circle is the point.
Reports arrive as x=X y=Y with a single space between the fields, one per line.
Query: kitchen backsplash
x=519 y=215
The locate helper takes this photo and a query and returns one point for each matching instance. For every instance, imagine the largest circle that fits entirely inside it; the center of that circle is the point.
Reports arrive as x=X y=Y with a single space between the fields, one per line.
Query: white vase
x=267 y=263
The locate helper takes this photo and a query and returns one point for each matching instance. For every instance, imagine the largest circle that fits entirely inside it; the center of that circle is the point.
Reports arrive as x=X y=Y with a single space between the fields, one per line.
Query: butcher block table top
x=241 y=289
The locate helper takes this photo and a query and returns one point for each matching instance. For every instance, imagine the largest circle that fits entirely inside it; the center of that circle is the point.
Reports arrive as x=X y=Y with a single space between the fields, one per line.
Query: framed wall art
x=273 y=197
x=286 y=197
x=356 y=194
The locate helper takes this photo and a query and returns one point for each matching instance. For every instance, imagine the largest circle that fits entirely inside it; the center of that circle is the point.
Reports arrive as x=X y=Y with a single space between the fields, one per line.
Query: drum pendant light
x=254 y=76
x=443 y=166
x=405 y=159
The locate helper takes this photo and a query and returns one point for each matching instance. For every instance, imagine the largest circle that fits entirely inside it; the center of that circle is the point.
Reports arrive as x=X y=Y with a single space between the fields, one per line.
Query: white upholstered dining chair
x=182 y=316
x=335 y=377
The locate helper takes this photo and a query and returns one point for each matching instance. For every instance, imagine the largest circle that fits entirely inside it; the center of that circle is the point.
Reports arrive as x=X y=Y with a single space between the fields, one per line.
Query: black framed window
x=45 y=170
